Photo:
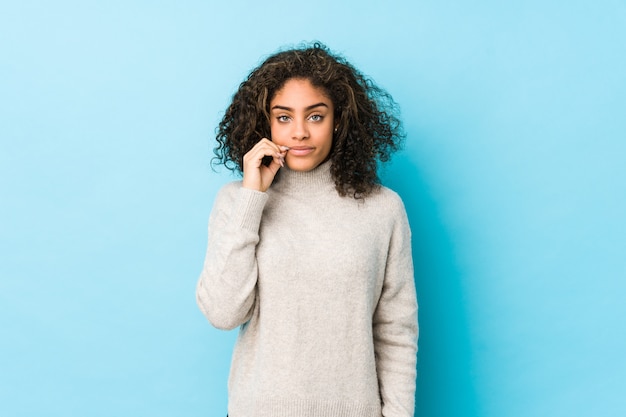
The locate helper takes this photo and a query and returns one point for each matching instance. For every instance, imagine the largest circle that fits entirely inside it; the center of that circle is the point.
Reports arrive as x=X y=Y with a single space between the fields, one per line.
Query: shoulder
x=230 y=187
x=383 y=207
x=386 y=199
x=394 y=214
x=233 y=194
x=227 y=193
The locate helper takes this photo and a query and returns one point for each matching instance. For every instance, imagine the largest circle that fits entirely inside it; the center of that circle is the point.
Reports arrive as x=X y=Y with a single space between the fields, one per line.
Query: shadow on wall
x=444 y=373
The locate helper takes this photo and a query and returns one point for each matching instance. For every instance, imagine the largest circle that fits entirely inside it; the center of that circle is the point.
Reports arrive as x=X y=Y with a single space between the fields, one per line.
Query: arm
x=226 y=290
x=395 y=326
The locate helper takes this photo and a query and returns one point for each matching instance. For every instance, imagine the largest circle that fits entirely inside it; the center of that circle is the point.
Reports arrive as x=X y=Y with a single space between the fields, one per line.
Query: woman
x=308 y=254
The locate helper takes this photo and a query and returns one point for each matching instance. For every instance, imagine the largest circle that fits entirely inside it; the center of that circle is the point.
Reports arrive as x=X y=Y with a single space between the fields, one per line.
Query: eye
x=316 y=117
x=283 y=119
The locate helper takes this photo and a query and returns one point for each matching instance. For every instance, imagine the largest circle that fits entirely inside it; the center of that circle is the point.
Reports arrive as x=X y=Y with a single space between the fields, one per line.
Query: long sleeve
x=395 y=326
x=328 y=307
x=226 y=290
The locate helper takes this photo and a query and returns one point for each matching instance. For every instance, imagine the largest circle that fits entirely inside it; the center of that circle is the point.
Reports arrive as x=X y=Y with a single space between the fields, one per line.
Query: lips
x=300 y=150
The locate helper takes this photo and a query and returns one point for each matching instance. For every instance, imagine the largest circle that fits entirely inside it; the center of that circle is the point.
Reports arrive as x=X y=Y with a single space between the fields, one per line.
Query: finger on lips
x=281 y=154
x=266 y=147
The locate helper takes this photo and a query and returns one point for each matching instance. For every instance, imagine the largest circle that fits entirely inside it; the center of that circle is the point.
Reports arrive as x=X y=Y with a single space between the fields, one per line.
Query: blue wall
x=513 y=176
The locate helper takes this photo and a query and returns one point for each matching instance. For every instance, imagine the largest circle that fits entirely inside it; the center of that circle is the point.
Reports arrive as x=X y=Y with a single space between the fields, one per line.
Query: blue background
x=513 y=176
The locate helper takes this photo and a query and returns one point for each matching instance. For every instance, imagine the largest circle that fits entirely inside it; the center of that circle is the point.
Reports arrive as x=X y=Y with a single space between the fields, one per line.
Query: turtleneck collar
x=317 y=180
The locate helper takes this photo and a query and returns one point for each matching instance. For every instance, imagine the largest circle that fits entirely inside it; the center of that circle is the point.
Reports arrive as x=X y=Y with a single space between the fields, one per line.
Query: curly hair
x=368 y=128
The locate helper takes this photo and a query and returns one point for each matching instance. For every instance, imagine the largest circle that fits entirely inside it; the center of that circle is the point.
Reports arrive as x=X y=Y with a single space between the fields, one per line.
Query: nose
x=300 y=130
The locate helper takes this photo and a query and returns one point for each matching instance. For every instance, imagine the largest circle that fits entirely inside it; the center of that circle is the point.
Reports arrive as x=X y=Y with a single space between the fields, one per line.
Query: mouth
x=300 y=150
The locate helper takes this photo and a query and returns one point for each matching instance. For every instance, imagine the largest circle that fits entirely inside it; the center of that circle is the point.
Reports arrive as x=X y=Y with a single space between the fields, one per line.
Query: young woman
x=309 y=255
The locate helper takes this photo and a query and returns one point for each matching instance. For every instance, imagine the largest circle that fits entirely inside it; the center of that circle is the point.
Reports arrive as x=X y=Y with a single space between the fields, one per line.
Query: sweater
x=322 y=288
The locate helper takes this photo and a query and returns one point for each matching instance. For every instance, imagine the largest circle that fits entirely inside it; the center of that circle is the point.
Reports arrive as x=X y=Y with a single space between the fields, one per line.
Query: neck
x=318 y=179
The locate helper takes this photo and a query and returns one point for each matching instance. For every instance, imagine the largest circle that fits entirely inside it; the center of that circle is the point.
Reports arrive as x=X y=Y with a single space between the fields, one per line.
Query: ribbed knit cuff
x=248 y=208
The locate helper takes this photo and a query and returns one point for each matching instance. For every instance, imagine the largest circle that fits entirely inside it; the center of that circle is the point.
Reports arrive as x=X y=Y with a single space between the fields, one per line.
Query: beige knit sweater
x=322 y=287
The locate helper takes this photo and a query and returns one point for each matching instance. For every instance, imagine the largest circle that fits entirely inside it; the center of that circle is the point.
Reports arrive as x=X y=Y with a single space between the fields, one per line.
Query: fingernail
x=285 y=148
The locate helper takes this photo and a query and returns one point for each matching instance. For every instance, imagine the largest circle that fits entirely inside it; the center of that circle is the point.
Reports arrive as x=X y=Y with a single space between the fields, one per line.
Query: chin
x=302 y=166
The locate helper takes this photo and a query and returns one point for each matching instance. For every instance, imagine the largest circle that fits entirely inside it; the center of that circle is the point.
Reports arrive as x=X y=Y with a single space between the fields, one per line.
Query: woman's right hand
x=257 y=176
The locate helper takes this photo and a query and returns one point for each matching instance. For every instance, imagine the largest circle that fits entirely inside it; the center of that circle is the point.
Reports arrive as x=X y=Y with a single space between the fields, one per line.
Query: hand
x=257 y=176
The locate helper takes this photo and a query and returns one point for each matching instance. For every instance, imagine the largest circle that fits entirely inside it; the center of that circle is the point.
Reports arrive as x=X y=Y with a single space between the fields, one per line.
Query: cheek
x=329 y=136
x=275 y=130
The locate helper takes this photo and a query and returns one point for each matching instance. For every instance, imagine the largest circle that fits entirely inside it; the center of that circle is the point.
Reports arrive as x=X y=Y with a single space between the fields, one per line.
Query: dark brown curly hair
x=369 y=129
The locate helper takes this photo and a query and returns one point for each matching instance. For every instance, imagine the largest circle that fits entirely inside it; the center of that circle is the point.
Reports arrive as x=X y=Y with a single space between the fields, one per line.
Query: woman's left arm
x=395 y=325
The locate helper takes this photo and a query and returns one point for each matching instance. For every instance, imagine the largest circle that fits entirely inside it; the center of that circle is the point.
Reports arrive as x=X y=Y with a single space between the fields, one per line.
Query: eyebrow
x=306 y=109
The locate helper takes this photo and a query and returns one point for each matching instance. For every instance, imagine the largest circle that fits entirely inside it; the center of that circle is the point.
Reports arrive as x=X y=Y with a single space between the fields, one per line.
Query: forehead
x=300 y=90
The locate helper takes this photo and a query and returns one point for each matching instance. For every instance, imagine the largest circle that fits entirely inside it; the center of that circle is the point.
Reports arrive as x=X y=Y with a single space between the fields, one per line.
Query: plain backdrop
x=513 y=176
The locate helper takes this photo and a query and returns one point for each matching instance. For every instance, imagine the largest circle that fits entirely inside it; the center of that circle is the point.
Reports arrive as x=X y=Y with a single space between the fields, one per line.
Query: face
x=302 y=119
